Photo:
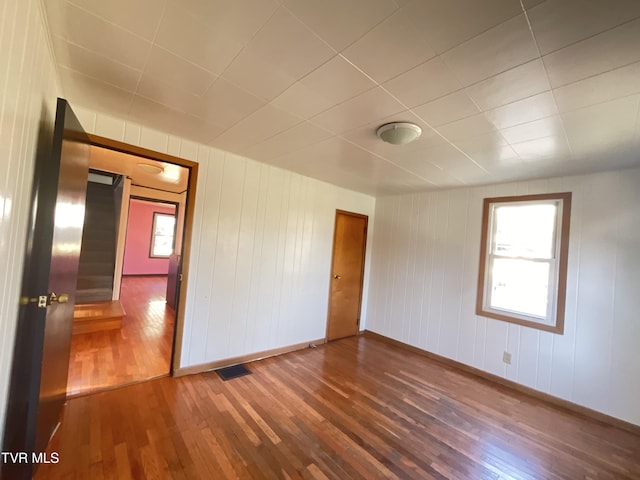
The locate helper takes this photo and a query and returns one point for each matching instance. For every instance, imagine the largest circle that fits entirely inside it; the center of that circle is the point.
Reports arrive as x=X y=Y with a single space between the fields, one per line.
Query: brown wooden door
x=347 y=270
x=43 y=334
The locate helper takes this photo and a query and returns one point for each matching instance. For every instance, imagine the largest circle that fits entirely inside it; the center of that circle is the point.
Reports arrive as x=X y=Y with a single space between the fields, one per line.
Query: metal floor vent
x=234 y=371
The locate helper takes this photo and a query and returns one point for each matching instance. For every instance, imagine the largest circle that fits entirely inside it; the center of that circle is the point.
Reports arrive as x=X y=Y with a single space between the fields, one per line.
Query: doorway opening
x=126 y=331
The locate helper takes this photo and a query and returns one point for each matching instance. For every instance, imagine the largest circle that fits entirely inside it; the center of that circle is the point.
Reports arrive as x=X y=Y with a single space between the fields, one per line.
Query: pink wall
x=138 y=242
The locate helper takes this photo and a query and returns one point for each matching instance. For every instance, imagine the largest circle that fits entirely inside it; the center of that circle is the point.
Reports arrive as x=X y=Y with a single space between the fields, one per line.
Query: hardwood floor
x=355 y=408
x=140 y=350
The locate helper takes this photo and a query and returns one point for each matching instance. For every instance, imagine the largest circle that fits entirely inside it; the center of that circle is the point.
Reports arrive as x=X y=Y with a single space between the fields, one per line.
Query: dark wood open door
x=345 y=296
x=41 y=354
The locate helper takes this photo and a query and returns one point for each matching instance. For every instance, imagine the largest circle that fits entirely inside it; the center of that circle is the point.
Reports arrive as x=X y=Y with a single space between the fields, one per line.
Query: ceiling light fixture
x=399 y=133
x=150 y=169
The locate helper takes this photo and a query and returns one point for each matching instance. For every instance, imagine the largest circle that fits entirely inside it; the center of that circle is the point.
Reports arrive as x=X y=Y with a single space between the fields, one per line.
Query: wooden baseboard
x=558 y=402
x=251 y=357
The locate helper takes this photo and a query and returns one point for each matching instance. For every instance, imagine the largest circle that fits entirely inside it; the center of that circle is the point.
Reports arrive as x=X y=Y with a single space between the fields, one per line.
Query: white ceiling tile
x=495 y=51
x=529 y=4
x=93 y=93
x=168 y=94
x=344 y=164
x=607 y=86
x=434 y=176
x=95 y=65
x=545 y=127
x=328 y=85
x=523 y=111
x=469 y=127
x=176 y=70
x=543 y=148
x=447 y=109
x=424 y=83
x=487 y=149
x=140 y=16
x=302 y=100
x=458 y=165
x=225 y=104
x=491 y=153
x=260 y=125
x=302 y=135
x=233 y=19
x=515 y=84
x=435 y=19
x=284 y=51
x=97 y=35
x=598 y=54
x=341 y=22
x=599 y=127
x=558 y=23
x=211 y=41
x=337 y=80
x=258 y=76
x=365 y=108
x=171 y=121
x=391 y=48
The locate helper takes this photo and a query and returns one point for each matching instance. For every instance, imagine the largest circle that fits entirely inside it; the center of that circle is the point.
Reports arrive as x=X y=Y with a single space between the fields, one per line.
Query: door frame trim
x=364 y=258
x=178 y=331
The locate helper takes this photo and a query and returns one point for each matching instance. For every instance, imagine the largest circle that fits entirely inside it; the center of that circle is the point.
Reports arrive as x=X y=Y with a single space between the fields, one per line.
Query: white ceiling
x=504 y=90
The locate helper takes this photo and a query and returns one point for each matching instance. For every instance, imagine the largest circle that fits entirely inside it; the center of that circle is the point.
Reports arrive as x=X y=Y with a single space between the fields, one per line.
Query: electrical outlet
x=506 y=358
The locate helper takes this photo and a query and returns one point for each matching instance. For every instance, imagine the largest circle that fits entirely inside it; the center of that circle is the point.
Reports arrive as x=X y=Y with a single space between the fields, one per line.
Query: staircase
x=98 y=253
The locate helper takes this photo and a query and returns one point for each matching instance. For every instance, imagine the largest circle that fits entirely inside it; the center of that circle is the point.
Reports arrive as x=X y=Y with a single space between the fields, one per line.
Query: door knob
x=64 y=298
x=43 y=300
x=337 y=277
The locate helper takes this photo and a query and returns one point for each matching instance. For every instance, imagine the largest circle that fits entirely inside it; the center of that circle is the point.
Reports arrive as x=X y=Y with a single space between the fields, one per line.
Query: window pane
x=165 y=224
x=520 y=286
x=162 y=245
x=525 y=230
x=163 y=232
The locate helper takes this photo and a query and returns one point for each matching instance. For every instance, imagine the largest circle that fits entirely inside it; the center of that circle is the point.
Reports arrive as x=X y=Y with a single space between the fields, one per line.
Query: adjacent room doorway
x=139 y=342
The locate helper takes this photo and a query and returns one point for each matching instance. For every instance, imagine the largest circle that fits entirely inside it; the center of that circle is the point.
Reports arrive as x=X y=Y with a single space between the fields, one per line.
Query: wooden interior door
x=37 y=391
x=347 y=273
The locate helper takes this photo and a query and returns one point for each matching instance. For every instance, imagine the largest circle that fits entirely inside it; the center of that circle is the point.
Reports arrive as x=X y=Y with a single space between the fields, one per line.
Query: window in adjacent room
x=162 y=235
x=523 y=260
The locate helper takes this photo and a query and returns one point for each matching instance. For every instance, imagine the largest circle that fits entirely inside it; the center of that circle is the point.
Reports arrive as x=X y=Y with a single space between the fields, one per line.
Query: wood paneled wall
x=28 y=91
x=424 y=279
x=261 y=250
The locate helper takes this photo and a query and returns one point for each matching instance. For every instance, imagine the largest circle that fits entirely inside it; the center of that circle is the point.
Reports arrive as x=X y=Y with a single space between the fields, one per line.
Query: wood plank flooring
x=140 y=350
x=355 y=408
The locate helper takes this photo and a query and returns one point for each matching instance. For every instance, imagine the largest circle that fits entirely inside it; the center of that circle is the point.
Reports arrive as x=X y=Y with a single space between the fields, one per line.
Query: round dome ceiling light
x=399 y=133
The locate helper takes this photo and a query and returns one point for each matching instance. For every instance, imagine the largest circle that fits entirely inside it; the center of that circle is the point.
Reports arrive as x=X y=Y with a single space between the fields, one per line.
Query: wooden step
x=93 y=317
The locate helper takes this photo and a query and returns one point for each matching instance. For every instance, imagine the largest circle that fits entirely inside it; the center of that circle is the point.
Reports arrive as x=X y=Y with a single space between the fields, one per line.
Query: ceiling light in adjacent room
x=150 y=169
x=399 y=133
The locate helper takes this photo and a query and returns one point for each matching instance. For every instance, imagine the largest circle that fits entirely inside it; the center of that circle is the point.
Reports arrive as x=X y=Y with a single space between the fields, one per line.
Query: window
x=162 y=235
x=523 y=260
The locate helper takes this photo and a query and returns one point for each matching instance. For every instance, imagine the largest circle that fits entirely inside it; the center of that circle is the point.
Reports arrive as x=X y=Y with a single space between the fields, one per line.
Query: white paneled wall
x=424 y=279
x=261 y=251
x=28 y=90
